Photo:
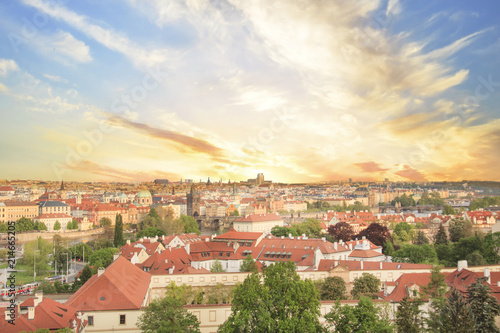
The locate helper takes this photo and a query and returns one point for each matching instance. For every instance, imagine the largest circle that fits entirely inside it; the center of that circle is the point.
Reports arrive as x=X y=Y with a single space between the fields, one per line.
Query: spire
x=62 y=185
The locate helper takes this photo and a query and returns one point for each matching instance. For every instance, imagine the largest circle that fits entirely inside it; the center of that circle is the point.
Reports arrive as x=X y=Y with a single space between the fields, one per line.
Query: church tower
x=193 y=202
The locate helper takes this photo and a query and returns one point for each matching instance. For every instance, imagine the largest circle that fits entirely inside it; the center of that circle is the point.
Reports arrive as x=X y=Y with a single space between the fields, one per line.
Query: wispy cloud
x=193 y=144
x=370 y=167
x=55 y=78
x=109 y=38
x=7 y=66
x=62 y=47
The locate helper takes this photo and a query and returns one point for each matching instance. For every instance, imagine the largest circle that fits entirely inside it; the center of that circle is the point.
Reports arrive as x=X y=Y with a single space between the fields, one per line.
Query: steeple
x=62 y=185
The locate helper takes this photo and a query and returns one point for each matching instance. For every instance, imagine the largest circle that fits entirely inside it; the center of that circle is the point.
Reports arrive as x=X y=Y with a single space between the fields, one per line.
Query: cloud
x=193 y=144
x=55 y=78
x=6 y=66
x=118 y=174
x=113 y=40
x=370 y=167
x=410 y=174
x=63 y=47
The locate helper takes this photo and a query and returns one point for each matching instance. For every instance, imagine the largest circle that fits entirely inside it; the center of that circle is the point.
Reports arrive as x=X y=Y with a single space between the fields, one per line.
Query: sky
x=302 y=91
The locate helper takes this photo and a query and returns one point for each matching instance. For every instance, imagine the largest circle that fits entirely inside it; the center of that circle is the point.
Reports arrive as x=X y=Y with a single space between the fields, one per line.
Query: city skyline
x=300 y=91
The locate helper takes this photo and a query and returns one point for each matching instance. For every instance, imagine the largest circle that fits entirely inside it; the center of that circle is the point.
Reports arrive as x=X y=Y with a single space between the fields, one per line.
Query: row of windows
x=91 y=320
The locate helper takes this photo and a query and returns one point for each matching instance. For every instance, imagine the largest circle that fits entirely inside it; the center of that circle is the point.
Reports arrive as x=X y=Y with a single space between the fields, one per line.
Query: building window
x=122 y=319
x=91 y=320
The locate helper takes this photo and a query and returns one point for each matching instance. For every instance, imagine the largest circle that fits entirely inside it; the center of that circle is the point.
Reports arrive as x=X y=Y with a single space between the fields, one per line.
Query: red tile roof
x=364 y=254
x=232 y=234
x=123 y=286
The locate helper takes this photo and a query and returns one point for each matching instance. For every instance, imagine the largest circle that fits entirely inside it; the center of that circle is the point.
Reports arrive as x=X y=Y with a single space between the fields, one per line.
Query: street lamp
x=34 y=271
x=66 y=266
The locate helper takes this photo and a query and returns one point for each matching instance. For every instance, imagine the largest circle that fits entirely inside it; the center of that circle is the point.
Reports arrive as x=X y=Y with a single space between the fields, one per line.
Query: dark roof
x=52 y=204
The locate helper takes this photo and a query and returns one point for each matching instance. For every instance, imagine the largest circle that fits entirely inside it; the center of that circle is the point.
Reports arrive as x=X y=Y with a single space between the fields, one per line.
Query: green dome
x=144 y=194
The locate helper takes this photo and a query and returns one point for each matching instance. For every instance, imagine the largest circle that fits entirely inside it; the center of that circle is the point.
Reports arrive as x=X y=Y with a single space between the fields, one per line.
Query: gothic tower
x=193 y=202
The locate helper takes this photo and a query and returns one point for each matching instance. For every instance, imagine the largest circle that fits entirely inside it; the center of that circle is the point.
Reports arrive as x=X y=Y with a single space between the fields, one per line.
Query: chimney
x=323 y=239
x=207 y=239
x=31 y=313
x=462 y=264
x=128 y=241
x=282 y=237
x=361 y=264
x=487 y=273
x=188 y=248
x=38 y=297
x=381 y=265
x=171 y=270
x=335 y=246
x=335 y=263
x=115 y=256
x=100 y=271
x=141 y=240
x=364 y=237
x=350 y=247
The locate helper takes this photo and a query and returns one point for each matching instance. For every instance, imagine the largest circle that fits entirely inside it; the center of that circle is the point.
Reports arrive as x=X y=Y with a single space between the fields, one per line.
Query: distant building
x=258 y=223
x=161 y=181
x=193 y=202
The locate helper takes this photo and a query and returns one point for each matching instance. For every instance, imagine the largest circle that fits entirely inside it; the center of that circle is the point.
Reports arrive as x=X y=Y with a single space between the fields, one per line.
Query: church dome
x=144 y=194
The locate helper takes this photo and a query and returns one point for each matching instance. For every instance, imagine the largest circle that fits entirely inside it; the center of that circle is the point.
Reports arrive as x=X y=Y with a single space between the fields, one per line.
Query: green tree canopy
x=417 y=254
x=118 y=236
x=84 y=277
x=151 y=232
x=367 y=285
x=333 y=288
x=249 y=265
x=57 y=226
x=460 y=228
x=281 y=303
x=363 y=318
x=441 y=237
x=310 y=227
x=37 y=251
x=456 y=316
x=190 y=225
x=167 y=315
x=448 y=210
x=103 y=257
x=408 y=316
x=484 y=306
x=105 y=222
x=24 y=224
x=217 y=267
x=278 y=231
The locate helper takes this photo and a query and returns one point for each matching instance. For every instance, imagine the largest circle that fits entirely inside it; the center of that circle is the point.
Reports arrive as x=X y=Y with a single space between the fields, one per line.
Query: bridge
x=215 y=222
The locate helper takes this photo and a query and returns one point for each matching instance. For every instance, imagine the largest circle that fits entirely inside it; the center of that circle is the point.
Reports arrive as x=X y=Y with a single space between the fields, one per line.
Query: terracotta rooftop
x=123 y=286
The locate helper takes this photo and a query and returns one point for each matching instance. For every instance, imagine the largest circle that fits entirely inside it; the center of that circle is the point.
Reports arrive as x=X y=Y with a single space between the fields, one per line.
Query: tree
x=417 y=254
x=408 y=318
x=441 y=237
x=105 y=222
x=278 y=231
x=491 y=247
x=118 y=239
x=249 y=265
x=364 y=317
x=341 y=231
x=24 y=224
x=376 y=233
x=310 y=227
x=460 y=228
x=40 y=226
x=403 y=232
x=103 y=257
x=367 y=285
x=235 y=213
x=434 y=291
x=38 y=251
x=456 y=317
x=150 y=232
x=281 y=303
x=448 y=210
x=167 y=315
x=84 y=277
x=190 y=225
x=57 y=226
x=483 y=305
x=217 y=267
x=388 y=248
x=420 y=238
x=333 y=289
